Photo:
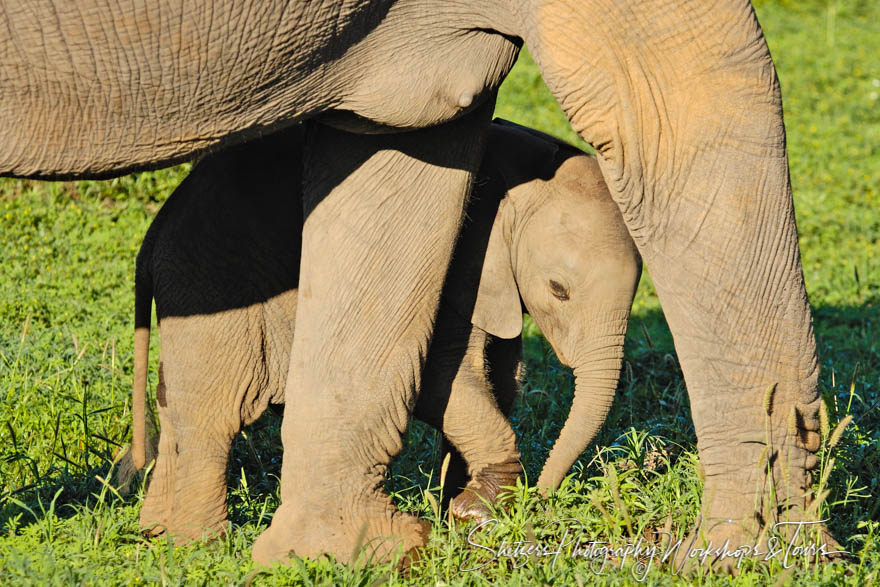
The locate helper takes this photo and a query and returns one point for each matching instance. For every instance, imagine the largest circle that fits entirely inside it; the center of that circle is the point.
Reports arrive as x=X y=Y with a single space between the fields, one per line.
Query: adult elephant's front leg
x=684 y=107
x=382 y=217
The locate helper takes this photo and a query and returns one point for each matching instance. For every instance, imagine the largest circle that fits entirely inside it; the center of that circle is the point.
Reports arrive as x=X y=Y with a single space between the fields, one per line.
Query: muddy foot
x=485 y=486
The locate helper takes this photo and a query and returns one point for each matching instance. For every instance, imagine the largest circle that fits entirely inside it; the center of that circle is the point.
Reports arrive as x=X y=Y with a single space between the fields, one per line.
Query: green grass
x=66 y=304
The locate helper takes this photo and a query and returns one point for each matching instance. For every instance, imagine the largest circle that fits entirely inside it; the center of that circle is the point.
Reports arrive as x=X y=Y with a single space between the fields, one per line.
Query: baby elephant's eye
x=559 y=290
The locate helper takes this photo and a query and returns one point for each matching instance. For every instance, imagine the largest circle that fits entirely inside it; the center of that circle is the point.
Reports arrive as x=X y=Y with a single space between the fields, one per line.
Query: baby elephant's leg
x=200 y=488
x=464 y=370
x=156 y=511
x=203 y=397
x=492 y=457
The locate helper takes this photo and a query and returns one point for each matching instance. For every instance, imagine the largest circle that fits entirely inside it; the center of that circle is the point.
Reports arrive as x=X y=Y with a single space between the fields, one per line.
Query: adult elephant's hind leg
x=382 y=216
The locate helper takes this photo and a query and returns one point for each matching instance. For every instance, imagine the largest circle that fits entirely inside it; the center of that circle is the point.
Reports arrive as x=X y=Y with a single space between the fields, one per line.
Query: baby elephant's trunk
x=597 y=370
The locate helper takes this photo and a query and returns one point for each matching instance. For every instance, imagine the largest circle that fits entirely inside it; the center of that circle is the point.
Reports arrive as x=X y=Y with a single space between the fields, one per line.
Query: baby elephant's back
x=230 y=235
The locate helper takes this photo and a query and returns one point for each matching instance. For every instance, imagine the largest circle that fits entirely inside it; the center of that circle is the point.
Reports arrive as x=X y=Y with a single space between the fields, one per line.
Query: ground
x=66 y=306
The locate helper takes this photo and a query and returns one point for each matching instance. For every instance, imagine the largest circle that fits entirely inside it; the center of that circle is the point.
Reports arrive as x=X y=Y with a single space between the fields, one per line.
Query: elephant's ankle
x=154 y=517
x=762 y=477
x=157 y=509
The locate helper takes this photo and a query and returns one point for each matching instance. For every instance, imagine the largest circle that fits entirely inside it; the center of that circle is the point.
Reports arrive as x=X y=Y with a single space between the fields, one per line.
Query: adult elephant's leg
x=382 y=216
x=683 y=105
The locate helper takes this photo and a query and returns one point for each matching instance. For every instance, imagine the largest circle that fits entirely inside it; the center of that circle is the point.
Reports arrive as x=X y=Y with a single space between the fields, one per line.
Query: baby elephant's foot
x=184 y=517
x=156 y=512
x=483 y=490
x=183 y=528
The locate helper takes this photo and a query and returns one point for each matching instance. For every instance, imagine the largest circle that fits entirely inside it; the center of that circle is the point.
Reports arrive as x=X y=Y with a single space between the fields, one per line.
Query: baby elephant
x=555 y=247
x=222 y=258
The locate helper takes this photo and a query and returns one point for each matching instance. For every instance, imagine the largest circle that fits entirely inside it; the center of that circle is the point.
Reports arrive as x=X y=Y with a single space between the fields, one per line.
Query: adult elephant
x=680 y=99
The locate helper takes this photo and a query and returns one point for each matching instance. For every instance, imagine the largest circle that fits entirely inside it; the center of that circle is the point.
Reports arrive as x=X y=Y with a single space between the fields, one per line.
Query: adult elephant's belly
x=91 y=92
x=419 y=68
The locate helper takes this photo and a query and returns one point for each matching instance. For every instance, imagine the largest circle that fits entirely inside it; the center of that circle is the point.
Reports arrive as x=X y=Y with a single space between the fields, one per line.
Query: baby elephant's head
x=574 y=262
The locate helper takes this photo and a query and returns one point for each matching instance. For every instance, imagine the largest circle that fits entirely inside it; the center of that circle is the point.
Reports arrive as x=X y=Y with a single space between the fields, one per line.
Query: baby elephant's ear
x=497 y=309
x=480 y=285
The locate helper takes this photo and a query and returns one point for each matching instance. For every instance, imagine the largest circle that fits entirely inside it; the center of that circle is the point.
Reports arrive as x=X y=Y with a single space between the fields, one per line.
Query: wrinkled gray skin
x=222 y=261
x=680 y=99
x=540 y=217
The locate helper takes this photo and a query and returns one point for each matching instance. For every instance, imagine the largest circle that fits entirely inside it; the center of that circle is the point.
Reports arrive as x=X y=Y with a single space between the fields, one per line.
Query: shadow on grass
x=252 y=476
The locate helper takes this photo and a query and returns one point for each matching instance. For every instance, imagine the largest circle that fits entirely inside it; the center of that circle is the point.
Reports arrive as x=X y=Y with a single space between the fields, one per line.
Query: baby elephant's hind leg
x=200 y=488
x=204 y=397
x=156 y=511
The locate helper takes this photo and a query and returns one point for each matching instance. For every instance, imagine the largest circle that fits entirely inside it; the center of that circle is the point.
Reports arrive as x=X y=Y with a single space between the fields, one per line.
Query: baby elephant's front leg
x=477 y=382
